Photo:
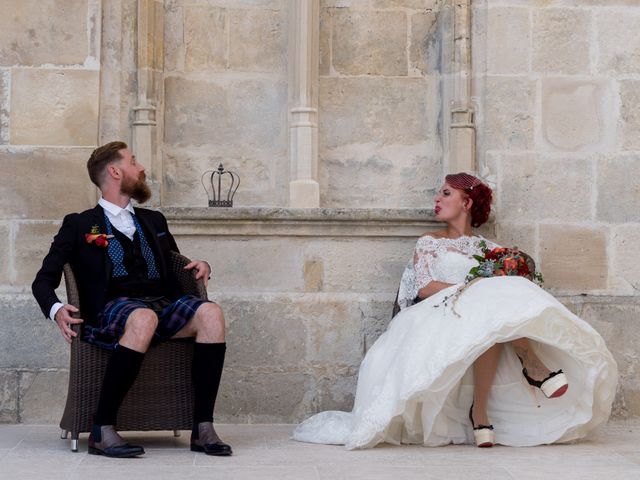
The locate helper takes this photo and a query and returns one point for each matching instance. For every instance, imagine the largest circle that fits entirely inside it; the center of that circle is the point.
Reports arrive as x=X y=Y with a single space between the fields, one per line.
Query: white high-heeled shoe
x=554 y=386
x=482 y=434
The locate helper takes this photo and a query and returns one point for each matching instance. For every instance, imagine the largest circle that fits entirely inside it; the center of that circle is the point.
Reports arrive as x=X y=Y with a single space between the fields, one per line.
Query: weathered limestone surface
x=251 y=266
x=5 y=253
x=630 y=114
x=370 y=175
x=417 y=4
x=54 y=107
x=243 y=114
x=423 y=51
x=617 y=321
x=321 y=356
x=577 y=115
x=257 y=40
x=619 y=189
x=29 y=340
x=260 y=397
x=619 y=48
x=508 y=124
x=625 y=264
x=8 y=396
x=306 y=293
x=344 y=263
x=229 y=3
x=32 y=186
x=28 y=36
x=205 y=37
x=369 y=43
x=564 y=184
x=260 y=171
x=43 y=394
x=521 y=235
x=31 y=244
x=378 y=110
x=508 y=40
x=573 y=259
x=5 y=75
x=556 y=48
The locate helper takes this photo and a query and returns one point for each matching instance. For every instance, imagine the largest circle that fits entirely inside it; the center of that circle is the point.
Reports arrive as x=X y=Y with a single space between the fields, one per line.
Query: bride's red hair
x=480 y=193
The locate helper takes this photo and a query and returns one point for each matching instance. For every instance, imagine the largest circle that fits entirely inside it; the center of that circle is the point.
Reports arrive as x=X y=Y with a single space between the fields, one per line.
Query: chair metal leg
x=176 y=433
x=74 y=441
x=64 y=434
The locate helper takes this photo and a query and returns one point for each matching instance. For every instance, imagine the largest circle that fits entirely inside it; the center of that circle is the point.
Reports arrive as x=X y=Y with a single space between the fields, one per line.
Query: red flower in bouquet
x=497 y=262
x=502 y=261
x=99 y=239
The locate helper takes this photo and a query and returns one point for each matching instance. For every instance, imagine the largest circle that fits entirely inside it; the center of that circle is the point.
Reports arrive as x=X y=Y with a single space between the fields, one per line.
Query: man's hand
x=64 y=320
x=203 y=270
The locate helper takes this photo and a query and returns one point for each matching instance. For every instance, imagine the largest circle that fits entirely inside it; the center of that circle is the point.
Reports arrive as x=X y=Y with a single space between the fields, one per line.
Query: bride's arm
x=432 y=288
x=423 y=257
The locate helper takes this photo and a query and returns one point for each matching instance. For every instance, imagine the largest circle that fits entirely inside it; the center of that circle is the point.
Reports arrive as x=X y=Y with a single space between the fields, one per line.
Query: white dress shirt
x=121 y=220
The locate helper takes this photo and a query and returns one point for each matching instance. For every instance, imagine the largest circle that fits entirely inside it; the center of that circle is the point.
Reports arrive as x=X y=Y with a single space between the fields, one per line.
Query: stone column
x=462 y=142
x=149 y=70
x=304 y=190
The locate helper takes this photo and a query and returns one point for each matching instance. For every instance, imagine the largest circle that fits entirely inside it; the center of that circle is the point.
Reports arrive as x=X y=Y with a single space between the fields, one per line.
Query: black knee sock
x=208 y=360
x=121 y=372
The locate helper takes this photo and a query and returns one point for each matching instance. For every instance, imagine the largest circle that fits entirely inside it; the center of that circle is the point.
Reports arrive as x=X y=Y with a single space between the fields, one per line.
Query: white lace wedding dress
x=415 y=383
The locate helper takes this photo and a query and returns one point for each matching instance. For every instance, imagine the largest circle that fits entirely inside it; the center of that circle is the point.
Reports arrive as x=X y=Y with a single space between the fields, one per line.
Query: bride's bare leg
x=535 y=368
x=484 y=371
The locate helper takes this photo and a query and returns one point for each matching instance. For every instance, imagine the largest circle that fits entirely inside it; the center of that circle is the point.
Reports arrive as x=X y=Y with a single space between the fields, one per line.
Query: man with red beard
x=129 y=298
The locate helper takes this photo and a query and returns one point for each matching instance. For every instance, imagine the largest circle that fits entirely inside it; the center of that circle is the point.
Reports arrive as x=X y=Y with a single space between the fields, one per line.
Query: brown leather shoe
x=205 y=439
x=104 y=440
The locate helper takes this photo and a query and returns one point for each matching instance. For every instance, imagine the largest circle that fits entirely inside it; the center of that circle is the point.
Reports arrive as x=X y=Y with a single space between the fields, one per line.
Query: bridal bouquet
x=503 y=261
x=497 y=262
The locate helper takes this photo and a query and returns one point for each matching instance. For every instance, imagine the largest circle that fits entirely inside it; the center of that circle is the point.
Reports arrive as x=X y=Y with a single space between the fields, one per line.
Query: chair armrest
x=73 y=297
x=187 y=278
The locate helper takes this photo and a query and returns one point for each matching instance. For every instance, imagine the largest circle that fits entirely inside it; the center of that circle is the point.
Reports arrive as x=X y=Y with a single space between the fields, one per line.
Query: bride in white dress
x=434 y=369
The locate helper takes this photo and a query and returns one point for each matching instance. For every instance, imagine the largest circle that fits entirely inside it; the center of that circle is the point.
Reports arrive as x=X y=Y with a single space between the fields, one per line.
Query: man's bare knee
x=142 y=322
x=210 y=322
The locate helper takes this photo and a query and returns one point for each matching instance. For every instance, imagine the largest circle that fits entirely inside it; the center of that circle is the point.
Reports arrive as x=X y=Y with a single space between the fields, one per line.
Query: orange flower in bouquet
x=497 y=262
x=502 y=261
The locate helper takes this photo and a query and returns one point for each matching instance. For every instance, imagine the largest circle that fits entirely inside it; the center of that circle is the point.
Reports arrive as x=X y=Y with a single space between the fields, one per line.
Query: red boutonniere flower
x=100 y=239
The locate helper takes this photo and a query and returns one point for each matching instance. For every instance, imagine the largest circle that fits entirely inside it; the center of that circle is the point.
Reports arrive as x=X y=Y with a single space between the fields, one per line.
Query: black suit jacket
x=91 y=264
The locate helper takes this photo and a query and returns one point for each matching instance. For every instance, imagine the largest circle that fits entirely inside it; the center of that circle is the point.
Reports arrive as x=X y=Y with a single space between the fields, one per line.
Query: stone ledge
x=316 y=222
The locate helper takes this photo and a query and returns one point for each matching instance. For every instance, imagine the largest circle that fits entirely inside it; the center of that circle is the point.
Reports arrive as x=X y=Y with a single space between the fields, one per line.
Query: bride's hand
x=432 y=288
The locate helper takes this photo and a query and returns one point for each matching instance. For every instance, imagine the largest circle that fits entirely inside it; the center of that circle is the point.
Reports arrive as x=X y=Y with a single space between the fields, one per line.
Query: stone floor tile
x=266 y=452
x=633 y=457
x=576 y=472
x=41 y=466
x=133 y=468
x=153 y=456
x=257 y=473
x=395 y=472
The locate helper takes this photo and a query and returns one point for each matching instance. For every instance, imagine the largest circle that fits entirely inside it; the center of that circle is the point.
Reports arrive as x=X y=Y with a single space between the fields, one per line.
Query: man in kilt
x=129 y=299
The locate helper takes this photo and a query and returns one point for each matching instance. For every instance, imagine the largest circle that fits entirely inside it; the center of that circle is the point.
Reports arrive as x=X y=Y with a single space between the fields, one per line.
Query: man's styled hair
x=101 y=158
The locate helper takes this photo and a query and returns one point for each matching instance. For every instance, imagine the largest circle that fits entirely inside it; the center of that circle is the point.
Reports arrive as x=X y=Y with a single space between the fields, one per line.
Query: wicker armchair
x=161 y=397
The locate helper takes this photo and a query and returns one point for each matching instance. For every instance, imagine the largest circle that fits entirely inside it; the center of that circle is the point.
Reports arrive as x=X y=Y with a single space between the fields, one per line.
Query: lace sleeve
x=423 y=256
x=416 y=274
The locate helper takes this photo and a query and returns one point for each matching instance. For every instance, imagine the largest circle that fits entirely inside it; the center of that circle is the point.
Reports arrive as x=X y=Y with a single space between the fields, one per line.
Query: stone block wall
x=49 y=98
x=225 y=98
x=556 y=86
x=306 y=292
x=380 y=105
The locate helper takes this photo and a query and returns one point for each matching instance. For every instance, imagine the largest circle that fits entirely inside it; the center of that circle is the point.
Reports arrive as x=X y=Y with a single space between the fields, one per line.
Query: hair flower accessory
x=99 y=239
